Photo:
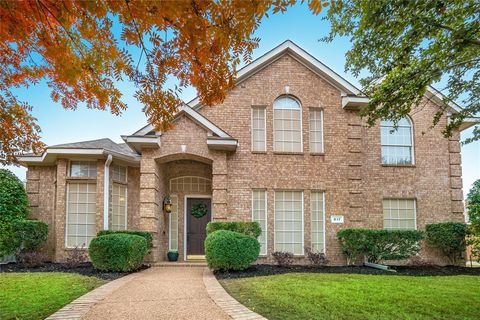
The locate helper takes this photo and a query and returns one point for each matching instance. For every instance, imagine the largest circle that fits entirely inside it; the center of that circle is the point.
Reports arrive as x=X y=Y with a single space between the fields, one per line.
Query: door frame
x=186 y=197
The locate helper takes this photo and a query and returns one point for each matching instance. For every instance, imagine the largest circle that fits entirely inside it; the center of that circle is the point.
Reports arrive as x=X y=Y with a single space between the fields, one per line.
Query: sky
x=297 y=24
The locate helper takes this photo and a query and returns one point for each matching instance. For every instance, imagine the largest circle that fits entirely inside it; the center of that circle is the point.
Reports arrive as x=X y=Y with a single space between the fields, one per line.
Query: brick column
x=60 y=210
x=456 y=177
x=150 y=205
x=219 y=187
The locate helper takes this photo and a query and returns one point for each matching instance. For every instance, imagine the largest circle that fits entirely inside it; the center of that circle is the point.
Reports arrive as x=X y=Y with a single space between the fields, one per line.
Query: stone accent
x=229 y=305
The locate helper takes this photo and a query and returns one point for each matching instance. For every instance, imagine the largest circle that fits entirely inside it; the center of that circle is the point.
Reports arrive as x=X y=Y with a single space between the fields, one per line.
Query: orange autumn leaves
x=83 y=50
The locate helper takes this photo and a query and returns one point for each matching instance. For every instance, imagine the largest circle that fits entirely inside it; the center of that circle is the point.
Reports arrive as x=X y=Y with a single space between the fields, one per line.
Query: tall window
x=119 y=173
x=259 y=214
x=399 y=214
x=317 y=214
x=397 y=143
x=289 y=221
x=258 y=129
x=173 y=224
x=316 y=130
x=119 y=206
x=287 y=125
x=87 y=169
x=81 y=208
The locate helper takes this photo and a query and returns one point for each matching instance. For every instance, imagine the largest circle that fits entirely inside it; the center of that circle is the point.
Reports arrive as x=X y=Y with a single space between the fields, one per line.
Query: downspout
x=106 y=198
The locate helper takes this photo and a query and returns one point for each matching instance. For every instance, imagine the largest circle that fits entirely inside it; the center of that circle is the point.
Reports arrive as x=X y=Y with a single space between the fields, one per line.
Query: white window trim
x=301 y=125
x=264 y=108
x=310 y=132
x=68 y=216
x=266 y=218
x=126 y=203
x=69 y=168
x=411 y=138
x=414 y=211
x=183 y=177
x=170 y=224
x=324 y=221
x=303 y=221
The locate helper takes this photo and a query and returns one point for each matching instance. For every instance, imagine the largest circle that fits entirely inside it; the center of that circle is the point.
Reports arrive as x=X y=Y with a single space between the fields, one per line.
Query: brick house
x=286 y=148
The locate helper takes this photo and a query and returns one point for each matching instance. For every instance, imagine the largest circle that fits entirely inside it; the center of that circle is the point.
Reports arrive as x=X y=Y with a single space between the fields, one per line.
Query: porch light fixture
x=167 y=204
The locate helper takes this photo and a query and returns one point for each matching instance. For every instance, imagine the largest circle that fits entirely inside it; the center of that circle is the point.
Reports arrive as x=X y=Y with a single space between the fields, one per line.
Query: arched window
x=397 y=142
x=287 y=124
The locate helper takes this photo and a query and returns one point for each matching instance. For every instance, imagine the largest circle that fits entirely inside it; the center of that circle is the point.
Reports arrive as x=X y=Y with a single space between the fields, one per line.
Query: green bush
x=378 y=244
x=249 y=228
x=145 y=234
x=448 y=237
x=229 y=250
x=13 y=198
x=33 y=234
x=117 y=252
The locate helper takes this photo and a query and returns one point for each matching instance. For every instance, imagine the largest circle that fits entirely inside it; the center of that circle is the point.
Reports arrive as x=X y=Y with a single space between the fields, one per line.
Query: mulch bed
x=267 y=270
x=85 y=269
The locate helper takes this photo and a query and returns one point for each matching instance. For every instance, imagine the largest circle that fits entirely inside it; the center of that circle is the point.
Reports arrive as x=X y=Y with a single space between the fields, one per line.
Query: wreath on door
x=199 y=210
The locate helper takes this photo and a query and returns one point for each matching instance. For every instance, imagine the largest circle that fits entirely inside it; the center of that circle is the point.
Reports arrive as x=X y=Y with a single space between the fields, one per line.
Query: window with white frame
x=173 y=224
x=399 y=214
x=119 y=206
x=317 y=214
x=188 y=184
x=119 y=173
x=86 y=169
x=259 y=214
x=259 y=140
x=81 y=208
x=316 y=130
x=287 y=125
x=397 y=142
x=289 y=221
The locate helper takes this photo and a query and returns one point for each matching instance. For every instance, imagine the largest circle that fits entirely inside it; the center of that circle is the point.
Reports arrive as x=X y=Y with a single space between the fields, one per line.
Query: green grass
x=37 y=295
x=353 y=296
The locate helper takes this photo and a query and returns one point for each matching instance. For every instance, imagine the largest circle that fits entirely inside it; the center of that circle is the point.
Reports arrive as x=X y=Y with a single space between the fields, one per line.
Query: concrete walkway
x=160 y=293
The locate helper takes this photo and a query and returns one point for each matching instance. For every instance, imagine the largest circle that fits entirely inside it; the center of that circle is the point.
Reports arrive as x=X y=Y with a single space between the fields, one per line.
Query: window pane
x=173 y=224
x=396 y=142
x=190 y=184
x=119 y=207
x=259 y=214
x=287 y=125
x=317 y=216
x=119 y=173
x=289 y=221
x=399 y=214
x=316 y=134
x=80 y=214
x=258 y=129
x=83 y=169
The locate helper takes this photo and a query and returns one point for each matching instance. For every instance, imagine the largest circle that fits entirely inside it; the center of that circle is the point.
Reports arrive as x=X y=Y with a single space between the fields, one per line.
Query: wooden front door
x=196 y=227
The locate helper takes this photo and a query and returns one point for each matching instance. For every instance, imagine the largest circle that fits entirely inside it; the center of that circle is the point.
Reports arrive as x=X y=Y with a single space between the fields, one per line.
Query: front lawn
x=354 y=296
x=37 y=295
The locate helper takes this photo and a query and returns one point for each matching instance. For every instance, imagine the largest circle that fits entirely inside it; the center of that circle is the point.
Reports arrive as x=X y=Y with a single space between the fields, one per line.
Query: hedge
x=13 y=198
x=448 y=237
x=145 y=234
x=25 y=235
x=117 y=252
x=229 y=250
x=378 y=244
x=249 y=228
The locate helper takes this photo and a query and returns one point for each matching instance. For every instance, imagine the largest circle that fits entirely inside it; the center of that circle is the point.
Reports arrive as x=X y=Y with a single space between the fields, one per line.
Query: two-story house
x=286 y=148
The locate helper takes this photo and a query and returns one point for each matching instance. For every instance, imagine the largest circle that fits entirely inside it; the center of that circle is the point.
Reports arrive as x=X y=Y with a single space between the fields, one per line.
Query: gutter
x=106 y=183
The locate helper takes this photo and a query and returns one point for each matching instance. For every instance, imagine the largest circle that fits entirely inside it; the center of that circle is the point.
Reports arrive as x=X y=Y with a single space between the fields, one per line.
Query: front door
x=199 y=213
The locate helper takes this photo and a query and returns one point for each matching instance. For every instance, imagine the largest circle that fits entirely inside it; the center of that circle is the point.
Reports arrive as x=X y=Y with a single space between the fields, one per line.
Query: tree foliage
x=405 y=46
x=473 y=206
x=85 y=49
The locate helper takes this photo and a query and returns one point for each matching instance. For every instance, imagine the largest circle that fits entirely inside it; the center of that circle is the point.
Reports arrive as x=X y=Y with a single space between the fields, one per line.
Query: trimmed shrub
x=33 y=234
x=283 y=258
x=118 y=252
x=249 y=228
x=448 y=237
x=145 y=234
x=378 y=244
x=229 y=250
x=31 y=258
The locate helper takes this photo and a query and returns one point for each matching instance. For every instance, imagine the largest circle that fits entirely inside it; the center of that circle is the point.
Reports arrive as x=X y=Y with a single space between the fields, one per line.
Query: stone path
x=160 y=293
